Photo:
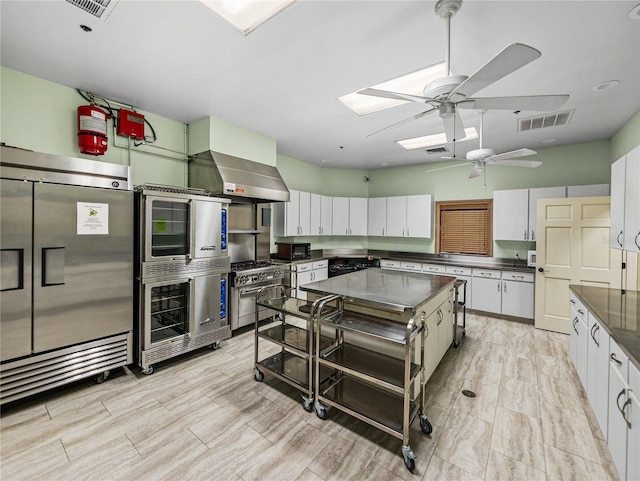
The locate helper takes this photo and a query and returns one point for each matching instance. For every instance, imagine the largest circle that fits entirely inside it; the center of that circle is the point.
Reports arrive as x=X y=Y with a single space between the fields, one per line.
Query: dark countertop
x=618 y=311
x=383 y=289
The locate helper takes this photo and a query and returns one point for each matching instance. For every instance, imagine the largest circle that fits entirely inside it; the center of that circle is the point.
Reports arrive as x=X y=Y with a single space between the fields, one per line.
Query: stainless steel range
x=246 y=279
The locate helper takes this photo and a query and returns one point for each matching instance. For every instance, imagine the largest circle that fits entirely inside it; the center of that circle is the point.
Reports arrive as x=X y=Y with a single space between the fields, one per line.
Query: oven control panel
x=248 y=278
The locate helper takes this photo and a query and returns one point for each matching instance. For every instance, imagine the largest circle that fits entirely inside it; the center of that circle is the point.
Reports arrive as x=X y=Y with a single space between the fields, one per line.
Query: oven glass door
x=167 y=306
x=168 y=228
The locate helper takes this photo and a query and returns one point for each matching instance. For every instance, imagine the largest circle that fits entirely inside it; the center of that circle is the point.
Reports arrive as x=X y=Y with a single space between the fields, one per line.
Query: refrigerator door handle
x=12 y=271
x=52 y=266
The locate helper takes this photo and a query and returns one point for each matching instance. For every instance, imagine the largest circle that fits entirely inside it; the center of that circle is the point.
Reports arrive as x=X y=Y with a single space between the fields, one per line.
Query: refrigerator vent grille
x=555 y=119
x=32 y=375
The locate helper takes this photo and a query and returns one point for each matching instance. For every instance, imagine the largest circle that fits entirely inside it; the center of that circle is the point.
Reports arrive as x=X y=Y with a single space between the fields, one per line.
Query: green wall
x=41 y=115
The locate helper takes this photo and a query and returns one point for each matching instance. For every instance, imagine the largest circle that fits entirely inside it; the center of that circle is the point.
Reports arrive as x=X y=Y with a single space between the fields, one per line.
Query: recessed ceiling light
x=435 y=139
x=634 y=14
x=412 y=83
x=246 y=15
x=549 y=141
x=606 y=85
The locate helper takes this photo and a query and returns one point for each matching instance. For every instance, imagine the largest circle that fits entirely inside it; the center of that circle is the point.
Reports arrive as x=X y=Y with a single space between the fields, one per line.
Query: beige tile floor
x=204 y=417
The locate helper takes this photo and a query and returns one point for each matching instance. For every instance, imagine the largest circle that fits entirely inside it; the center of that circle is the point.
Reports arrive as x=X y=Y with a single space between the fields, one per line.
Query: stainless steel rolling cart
x=294 y=363
x=369 y=385
x=459 y=330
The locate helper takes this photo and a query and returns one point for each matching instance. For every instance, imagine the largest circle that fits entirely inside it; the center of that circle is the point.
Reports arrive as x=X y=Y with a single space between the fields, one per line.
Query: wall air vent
x=98 y=8
x=554 y=119
x=437 y=150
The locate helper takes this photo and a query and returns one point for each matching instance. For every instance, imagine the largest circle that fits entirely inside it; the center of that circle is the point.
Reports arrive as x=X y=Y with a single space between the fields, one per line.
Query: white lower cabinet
x=389 y=264
x=598 y=372
x=486 y=286
x=517 y=294
x=439 y=333
x=612 y=383
x=464 y=274
x=310 y=272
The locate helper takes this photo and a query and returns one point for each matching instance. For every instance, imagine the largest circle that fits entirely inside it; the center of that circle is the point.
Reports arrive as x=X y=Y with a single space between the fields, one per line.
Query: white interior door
x=572 y=248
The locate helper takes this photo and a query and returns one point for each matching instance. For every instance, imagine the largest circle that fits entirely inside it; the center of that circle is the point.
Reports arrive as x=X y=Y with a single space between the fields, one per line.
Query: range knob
x=262 y=276
x=277 y=274
x=242 y=280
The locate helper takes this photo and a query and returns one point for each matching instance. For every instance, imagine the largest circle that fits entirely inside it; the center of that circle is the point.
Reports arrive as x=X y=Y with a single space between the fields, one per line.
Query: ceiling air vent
x=98 y=8
x=548 y=120
x=437 y=150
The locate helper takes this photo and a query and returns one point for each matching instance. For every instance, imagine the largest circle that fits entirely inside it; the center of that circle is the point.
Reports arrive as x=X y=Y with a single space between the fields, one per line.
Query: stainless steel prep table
x=389 y=308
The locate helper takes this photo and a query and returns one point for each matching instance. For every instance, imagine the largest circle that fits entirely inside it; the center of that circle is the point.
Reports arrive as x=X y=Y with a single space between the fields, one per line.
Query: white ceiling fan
x=481 y=157
x=451 y=92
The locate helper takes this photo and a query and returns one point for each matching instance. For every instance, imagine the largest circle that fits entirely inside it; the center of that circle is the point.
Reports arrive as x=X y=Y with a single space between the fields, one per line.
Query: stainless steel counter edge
x=587 y=295
x=443 y=283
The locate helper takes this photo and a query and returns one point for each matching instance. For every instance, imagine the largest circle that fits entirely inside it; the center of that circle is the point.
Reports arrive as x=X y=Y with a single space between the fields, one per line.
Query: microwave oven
x=291 y=251
x=531 y=258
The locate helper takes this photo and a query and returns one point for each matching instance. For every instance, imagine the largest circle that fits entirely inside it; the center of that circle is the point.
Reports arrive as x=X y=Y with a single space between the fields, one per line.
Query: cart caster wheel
x=307 y=404
x=456 y=344
x=102 y=377
x=149 y=371
x=425 y=425
x=215 y=345
x=410 y=464
x=258 y=375
x=321 y=413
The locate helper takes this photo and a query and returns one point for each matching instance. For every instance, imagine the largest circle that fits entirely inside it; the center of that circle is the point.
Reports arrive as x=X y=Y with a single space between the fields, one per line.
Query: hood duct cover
x=236 y=178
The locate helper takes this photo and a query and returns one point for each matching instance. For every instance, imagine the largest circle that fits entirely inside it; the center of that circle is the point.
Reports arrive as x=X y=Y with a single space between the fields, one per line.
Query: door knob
x=540 y=269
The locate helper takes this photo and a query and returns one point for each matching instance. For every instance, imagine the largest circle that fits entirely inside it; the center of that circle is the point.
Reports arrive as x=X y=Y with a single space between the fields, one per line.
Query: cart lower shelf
x=287 y=335
x=377 y=407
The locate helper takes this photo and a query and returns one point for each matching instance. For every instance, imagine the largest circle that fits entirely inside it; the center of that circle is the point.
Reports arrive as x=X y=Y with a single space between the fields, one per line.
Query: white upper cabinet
x=632 y=202
x=515 y=212
x=625 y=202
x=292 y=218
x=511 y=214
x=409 y=216
x=349 y=216
x=321 y=214
x=593 y=190
x=617 y=203
x=377 y=224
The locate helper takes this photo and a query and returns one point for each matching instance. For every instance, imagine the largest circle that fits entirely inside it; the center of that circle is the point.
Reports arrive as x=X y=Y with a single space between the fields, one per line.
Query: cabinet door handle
x=594 y=329
x=618 y=239
x=525 y=235
x=407 y=232
x=624 y=412
x=533 y=235
x=615 y=359
x=635 y=240
x=575 y=321
x=441 y=317
x=498 y=287
x=402 y=232
x=572 y=301
x=581 y=312
x=383 y=231
x=504 y=287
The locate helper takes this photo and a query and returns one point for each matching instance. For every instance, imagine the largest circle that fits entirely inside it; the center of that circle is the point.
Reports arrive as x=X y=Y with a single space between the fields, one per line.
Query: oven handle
x=192 y=307
x=257 y=289
x=192 y=231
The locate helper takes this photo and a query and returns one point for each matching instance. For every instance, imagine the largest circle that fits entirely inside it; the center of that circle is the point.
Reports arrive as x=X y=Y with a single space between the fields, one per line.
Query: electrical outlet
x=517 y=253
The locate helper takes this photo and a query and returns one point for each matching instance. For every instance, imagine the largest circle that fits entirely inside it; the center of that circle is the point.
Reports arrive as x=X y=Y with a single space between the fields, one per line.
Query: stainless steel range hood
x=235 y=178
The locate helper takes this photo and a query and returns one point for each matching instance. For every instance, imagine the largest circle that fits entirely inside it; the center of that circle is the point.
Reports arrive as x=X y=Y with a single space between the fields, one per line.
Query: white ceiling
x=180 y=61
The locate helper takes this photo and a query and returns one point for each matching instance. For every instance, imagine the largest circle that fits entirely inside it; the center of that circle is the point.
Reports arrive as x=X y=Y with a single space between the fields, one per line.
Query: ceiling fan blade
x=447 y=167
x=508 y=60
x=475 y=172
x=453 y=128
x=525 y=102
x=394 y=95
x=413 y=117
x=510 y=155
x=517 y=163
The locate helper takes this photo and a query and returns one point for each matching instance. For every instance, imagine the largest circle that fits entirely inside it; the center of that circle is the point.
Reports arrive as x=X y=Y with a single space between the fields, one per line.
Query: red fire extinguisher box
x=131 y=124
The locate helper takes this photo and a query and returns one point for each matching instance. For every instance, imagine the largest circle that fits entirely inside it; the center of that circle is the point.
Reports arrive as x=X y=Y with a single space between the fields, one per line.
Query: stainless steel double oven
x=183 y=272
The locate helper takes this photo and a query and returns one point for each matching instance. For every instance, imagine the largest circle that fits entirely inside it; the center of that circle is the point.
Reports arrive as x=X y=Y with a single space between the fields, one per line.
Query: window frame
x=472 y=204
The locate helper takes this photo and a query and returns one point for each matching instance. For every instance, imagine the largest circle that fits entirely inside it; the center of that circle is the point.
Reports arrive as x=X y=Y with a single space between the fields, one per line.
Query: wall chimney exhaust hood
x=238 y=179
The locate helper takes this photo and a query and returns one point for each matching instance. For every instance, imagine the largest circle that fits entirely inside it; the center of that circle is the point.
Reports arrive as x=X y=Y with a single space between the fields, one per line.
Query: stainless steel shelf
x=292 y=337
x=378 y=327
x=293 y=306
x=288 y=366
x=369 y=403
x=357 y=361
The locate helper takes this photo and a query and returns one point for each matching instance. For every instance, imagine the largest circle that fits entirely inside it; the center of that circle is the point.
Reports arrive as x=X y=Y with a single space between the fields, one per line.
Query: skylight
x=435 y=139
x=246 y=15
x=412 y=83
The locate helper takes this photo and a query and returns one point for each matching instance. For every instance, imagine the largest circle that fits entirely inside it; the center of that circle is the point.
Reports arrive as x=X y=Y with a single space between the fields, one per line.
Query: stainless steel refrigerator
x=66 y=264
